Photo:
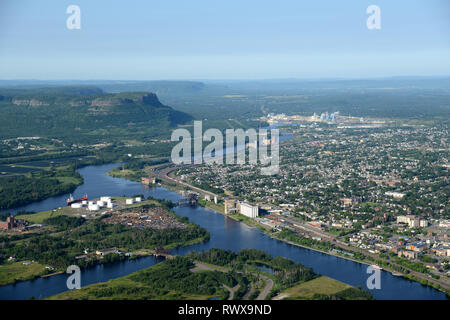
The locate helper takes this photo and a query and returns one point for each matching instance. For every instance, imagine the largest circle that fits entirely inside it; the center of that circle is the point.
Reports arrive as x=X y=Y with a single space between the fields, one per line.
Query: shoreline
x=139 y=253
x=394 y=273
x=143 y=253
x=177 y=189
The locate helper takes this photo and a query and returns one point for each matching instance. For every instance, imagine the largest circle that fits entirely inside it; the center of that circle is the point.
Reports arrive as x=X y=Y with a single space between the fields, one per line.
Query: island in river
x=221 y=274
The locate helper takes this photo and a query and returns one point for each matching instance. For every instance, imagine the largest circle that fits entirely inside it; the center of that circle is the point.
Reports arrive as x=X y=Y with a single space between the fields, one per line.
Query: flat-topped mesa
x=107 y=102
x=123 y=99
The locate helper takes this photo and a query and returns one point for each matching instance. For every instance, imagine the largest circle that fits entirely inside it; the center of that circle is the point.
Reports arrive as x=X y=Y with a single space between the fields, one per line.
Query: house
x=395 y=195
x=104 y=252
x=408 y=254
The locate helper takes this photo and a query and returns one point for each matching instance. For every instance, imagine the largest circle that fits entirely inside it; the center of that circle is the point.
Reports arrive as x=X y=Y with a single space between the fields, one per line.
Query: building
x=10 y=223
x=412 y=221
x=423 y=223
x=396 y=195
x=443 y=252
x=231 y=206
x=408 y=254
x=249 y=210
x=417 y=247
x=104 y=252
x=148 y=180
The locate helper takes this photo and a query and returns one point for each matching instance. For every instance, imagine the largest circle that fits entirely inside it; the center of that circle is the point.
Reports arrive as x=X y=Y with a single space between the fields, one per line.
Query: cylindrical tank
x=94 y=207
x=129 y=201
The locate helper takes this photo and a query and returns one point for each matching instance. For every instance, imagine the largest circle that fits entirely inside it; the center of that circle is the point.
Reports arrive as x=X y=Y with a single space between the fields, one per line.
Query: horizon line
x=237 y=79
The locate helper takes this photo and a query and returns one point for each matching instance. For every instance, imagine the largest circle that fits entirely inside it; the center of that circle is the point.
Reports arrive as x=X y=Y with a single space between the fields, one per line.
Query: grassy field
x=124 y=289
x=210 y=204
x=12 y=272
x=321 y=285
x=39 y=217
x=119 y=173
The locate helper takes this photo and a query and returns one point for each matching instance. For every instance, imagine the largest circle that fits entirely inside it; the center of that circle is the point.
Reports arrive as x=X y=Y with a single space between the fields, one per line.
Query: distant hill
x=13 y=90
x=84 y=111
x=160 y=87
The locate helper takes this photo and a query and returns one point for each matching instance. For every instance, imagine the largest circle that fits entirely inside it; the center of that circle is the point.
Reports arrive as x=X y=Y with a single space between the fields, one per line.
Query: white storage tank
x=105 y=199
x=76 y=205
x=138 y=199
x=94 y=207
x=129 y=201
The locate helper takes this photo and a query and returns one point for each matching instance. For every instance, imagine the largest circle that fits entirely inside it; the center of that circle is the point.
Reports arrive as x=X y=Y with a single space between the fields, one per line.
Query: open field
x=321 y=285
x=43 y=215
x=16 y=271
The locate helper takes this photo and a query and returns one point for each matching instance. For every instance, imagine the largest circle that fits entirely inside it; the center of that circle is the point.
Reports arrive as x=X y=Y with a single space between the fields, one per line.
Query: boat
x=72 y=200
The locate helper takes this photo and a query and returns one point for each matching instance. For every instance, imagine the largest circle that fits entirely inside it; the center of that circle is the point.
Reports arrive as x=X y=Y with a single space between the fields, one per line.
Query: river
x=226 y=233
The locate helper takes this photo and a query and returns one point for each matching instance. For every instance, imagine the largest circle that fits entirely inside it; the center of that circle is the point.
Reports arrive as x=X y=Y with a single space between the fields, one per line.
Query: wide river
x=226 y=233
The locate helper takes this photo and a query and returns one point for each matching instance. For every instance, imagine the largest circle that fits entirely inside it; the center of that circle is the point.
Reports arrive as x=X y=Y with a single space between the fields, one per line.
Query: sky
x=232 y=39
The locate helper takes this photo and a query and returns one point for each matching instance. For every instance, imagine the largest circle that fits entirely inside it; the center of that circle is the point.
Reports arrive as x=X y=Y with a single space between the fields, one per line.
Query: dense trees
x=21 y=190
x=65 y=222
x=175 y=274
x=77 y=116
x=60 y=249
x=286 y=271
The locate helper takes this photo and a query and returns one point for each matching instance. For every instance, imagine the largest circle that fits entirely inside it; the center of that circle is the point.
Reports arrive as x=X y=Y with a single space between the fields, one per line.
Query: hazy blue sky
x=229 y=39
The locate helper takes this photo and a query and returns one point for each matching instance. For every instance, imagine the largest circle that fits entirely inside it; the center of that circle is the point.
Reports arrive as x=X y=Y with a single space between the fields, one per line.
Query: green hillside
x=70 y=113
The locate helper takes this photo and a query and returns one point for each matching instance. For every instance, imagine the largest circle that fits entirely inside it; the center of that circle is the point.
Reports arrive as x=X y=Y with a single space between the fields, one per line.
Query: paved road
x=231 y=291
x=267 y=288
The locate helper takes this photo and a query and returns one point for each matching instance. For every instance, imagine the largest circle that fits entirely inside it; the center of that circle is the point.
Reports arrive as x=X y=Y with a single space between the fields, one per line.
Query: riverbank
x=226 y=234
x=417 y=277
x=56 y=223
x=204 y=275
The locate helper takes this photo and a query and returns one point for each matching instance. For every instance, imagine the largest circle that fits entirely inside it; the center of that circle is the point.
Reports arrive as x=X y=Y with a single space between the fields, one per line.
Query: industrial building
x=412 y=221
x=9 y=224
x=231 y=206
x=249 y=210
